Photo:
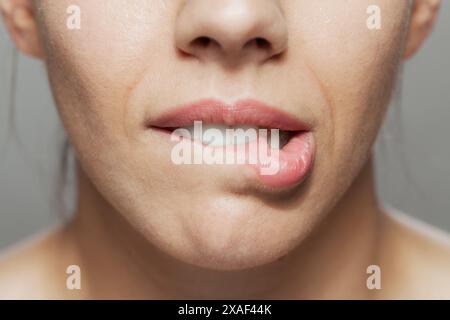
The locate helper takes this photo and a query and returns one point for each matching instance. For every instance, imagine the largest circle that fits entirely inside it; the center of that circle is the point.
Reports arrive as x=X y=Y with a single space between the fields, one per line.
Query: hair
x=58 y=201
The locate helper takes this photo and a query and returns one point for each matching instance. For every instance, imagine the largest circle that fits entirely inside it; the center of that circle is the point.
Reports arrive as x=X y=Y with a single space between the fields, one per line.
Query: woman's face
x=133 y=62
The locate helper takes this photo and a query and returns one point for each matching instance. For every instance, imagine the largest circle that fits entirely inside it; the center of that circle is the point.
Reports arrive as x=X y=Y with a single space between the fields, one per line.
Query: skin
x=145 y=228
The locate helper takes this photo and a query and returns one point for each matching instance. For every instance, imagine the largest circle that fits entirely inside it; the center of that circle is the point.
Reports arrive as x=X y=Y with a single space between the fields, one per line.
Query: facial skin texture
x=132 y=61
x=219 y=217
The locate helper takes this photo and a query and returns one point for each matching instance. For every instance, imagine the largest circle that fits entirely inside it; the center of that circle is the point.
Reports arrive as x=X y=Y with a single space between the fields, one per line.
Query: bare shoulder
x=26 y=268
x=416 y=257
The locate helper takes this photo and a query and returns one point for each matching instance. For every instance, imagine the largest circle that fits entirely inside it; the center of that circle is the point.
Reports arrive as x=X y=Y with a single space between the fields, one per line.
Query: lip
x=294 y=160
x=243 y=112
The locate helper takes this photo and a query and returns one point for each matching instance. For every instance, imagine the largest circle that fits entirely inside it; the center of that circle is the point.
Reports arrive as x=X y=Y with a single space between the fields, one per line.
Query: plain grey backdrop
x=413 y=153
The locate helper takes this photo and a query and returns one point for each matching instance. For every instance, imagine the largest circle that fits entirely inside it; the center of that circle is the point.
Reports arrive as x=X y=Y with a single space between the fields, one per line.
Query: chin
x=236 y=238
x=245 y=255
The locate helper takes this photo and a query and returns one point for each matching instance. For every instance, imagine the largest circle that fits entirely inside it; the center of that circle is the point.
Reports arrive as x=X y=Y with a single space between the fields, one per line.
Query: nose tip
x=231 y=30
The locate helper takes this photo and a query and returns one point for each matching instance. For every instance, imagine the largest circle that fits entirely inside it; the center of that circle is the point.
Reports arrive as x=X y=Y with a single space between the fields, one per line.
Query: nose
x=231 y=31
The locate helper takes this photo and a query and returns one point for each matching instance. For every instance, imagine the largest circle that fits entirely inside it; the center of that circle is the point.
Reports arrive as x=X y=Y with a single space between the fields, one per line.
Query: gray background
x=413 y=153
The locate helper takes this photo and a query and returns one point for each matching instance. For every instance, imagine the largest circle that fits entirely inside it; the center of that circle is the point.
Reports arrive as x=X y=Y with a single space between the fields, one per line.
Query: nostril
x=259 y=43
x=201 y=42
x=204 y=42
x=262 y=43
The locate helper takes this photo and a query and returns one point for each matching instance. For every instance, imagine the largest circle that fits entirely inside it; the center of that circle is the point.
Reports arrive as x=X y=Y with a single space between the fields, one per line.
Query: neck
x=331 y=263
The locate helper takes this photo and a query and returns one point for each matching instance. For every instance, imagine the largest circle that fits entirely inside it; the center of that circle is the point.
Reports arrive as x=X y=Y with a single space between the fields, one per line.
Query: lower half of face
x=120 y=81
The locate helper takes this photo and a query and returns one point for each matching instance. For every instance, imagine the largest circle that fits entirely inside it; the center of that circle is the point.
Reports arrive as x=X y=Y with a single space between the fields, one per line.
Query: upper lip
x=243 y=112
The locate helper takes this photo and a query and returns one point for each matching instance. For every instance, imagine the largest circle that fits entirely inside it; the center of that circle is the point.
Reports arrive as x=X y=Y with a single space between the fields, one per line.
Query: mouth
x=284 y=135
x=239 y=133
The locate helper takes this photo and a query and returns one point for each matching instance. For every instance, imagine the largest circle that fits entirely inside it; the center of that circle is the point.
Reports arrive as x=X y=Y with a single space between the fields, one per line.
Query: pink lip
x=243 y=112
x=295 y=158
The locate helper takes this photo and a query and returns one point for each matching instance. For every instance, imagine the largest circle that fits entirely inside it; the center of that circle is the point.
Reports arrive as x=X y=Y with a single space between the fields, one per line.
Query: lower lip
x=294 y=161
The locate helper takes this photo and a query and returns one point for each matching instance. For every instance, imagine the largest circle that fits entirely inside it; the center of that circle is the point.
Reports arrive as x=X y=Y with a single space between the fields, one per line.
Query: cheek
x=94 y=69
x=356 y=67
x=92 y=72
